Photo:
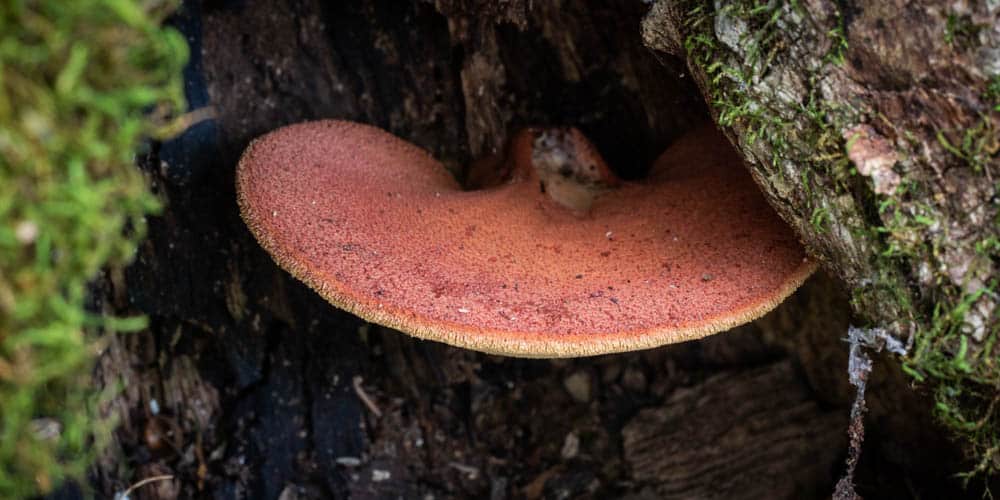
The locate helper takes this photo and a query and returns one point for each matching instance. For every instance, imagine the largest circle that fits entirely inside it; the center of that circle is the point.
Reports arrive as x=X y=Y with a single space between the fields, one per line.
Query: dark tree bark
x=248 y=385
x=872 y=127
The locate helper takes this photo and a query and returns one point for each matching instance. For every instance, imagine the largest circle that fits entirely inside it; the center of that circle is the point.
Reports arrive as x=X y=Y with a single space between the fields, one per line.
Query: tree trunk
x=873 y=128
x=248 y=385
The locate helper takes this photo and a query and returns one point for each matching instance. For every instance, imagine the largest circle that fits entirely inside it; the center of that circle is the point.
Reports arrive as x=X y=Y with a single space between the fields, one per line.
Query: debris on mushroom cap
x=379 y=228
x=566 y=166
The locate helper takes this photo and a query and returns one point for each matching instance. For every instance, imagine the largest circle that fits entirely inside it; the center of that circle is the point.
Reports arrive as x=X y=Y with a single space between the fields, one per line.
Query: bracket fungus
x=562 y=260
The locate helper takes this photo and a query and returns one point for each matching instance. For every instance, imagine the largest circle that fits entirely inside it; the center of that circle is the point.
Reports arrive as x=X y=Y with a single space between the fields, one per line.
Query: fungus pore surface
x=379 y=228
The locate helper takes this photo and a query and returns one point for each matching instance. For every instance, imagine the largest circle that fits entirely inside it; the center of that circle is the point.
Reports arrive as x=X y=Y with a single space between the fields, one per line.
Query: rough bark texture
x=247 y=385
x=772 y=441
x=872 y=127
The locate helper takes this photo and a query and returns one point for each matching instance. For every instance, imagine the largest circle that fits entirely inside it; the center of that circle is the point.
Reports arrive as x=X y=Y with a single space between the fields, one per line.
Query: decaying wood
x=257 y=382
x=752 y=433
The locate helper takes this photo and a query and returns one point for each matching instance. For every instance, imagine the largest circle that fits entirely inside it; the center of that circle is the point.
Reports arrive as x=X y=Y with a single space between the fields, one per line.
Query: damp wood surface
x=752 y=433
x=248 y=385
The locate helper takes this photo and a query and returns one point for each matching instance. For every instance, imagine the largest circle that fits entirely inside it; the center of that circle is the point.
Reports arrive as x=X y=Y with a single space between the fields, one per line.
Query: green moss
x=960 y=31
x=81 y=82
x=977 y=145
x=838 y=42
x=808 y=136
x=993 y=92
x=734 y=95
x=820 y=219
x=964 y=380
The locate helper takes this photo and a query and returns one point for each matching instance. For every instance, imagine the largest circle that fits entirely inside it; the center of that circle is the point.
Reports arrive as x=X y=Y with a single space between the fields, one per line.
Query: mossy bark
x=261 y=389
x=872 y=127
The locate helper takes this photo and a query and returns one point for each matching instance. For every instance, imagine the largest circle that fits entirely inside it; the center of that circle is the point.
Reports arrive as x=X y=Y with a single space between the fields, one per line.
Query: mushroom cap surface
x=379 y=228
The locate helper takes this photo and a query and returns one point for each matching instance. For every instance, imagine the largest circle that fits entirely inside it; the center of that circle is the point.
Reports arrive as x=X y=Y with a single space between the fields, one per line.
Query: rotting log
x=248 y=385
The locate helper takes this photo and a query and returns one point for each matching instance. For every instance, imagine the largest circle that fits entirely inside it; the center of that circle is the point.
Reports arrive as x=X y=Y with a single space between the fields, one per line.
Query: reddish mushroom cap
x=379 y=228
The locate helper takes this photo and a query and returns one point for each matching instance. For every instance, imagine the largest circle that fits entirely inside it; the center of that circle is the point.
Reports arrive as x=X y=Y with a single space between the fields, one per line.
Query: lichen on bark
x=872 y=127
